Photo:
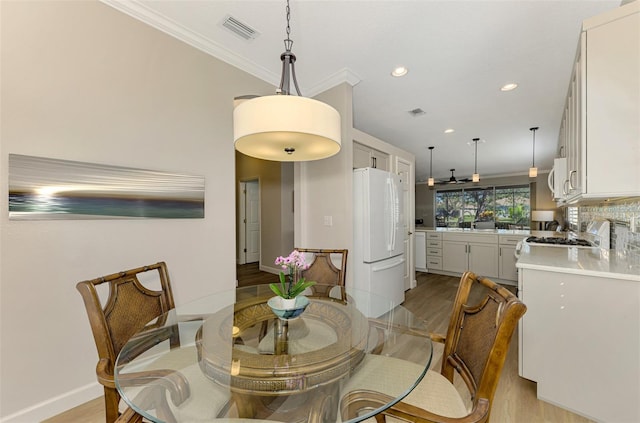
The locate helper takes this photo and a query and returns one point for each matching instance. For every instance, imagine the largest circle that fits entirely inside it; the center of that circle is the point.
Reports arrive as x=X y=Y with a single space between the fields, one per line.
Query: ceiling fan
x=453 y=180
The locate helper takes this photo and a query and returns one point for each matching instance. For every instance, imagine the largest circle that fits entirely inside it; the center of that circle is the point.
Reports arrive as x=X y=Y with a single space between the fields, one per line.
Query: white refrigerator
x=378 y=247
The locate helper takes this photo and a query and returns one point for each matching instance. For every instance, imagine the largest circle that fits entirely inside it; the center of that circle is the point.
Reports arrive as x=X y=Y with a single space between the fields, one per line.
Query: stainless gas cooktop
x=558 y=241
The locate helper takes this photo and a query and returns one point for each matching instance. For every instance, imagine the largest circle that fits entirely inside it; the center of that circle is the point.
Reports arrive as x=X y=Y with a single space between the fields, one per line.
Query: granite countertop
x=581 y=261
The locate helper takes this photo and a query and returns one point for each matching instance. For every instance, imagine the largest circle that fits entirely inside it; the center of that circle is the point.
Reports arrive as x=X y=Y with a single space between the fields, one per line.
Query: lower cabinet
x=482 y=259
x=421 y=251
x=434 y=251
x=507 y=263
x=485 y=254
x=580 y=341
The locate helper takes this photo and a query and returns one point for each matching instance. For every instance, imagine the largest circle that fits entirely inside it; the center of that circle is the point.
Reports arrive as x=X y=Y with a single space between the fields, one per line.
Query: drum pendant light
x=476 y=175
x=431 y=181
x=533 y=170
x=284 y=127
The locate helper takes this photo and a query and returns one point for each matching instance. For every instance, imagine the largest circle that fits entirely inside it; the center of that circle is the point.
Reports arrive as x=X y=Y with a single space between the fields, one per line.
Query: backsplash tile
x=625 y=222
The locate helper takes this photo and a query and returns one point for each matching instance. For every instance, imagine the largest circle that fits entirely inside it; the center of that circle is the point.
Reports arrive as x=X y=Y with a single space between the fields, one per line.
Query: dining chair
x=475 y=348
x=323 y=270
x=126 y=310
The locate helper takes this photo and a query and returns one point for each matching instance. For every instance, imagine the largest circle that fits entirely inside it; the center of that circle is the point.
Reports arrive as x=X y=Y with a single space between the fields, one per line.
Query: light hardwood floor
x=515 y=399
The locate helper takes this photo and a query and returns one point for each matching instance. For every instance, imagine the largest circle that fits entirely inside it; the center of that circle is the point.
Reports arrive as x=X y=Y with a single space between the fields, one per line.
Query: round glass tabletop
x=229 y=356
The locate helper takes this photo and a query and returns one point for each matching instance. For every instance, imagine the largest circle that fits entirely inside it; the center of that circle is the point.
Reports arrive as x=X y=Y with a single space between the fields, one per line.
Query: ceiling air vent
x=417 y=112
x=241 y=29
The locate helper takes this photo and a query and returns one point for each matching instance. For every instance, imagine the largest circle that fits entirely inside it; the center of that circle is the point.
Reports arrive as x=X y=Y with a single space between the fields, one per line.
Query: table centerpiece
x=288 y=302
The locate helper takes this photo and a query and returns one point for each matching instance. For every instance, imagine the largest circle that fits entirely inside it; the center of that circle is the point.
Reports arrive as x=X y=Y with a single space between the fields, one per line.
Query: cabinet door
x=380 y=160
x=361 y=156
x=575 y=121
x=483 y=259
x=535 y=291
x=613 y=107
x=421 y=251
x=454 y=256
x=507 y=263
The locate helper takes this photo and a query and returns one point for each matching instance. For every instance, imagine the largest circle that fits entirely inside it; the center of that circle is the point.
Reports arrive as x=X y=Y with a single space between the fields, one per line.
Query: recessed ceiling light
x=508 y=87
x=449 y=131
x=399 y=71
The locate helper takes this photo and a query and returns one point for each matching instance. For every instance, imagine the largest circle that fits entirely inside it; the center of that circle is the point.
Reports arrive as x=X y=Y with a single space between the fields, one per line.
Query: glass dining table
x=228 y=357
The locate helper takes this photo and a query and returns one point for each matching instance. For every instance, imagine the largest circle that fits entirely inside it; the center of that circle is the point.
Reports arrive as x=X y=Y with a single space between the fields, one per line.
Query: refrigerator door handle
x=390 y=227
x=394 y=215
x=387 y=266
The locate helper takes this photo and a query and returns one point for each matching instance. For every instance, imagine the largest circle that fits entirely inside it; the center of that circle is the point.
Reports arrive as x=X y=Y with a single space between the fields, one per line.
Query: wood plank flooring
x=515 y=399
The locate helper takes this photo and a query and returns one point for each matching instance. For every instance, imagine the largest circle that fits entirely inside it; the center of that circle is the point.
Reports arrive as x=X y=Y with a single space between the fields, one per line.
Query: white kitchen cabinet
x=580 y=341
x=507 y=263
x=434 y=250
x=599 y=128
x=455 y=257
x=475 y=252
x=506 y=257
x=421 y=251
x=365 y=156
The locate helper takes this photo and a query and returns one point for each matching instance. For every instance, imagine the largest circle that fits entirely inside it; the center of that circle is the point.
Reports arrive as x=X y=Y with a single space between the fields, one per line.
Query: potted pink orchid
x=291 y=285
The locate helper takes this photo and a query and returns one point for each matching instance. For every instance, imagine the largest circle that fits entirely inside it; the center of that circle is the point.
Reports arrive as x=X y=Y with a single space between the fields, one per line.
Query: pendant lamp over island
x=284 y=127
x=476 y=175
x=533 y=170
x=431 y=181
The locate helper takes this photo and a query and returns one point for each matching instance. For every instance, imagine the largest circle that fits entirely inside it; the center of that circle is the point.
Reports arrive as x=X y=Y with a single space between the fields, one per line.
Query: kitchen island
x=580 y=337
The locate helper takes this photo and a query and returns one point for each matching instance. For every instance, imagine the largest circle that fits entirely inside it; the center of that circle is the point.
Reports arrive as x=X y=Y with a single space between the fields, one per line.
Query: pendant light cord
x=533 y=159
x=288 y=42
x=288 y=62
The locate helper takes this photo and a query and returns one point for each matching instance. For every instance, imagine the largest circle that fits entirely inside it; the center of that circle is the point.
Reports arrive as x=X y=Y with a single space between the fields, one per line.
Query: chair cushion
x=434 y=393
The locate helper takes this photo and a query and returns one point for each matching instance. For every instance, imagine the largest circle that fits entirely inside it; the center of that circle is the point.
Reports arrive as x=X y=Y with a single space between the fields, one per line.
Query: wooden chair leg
x=129 y=416
x=111 y=404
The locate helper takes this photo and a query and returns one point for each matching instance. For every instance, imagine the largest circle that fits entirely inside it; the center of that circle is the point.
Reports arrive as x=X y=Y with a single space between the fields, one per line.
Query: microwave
x=557 y=178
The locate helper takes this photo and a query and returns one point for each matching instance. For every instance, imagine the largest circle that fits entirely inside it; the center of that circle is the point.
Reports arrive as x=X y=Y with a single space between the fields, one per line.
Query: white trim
x=268 y=269
x=56 y=405
x=139 y=11
x=341 y=76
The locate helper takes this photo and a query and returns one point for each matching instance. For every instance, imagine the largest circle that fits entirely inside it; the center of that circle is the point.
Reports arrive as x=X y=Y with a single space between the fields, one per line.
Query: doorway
x=249 y=222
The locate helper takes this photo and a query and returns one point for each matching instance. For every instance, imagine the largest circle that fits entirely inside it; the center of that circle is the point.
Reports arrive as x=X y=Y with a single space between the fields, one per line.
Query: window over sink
x=507 y=207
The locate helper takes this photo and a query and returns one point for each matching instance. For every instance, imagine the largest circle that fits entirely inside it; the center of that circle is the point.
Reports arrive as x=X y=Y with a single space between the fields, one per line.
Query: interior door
x=252 y=226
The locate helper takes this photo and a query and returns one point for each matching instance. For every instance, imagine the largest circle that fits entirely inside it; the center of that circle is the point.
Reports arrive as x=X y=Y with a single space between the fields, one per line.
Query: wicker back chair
x=323 y=271
x=128 y=308
x=475 y=347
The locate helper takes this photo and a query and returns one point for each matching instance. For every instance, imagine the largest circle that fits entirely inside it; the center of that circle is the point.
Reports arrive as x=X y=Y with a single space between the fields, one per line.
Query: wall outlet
x=328 y=221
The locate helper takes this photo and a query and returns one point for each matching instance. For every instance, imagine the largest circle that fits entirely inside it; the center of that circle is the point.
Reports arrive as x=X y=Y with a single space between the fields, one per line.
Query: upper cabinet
x=600 y=129
x=365 y=156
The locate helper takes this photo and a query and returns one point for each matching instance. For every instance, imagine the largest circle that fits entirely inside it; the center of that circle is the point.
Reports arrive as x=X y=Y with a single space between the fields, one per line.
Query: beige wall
x=276 y=209
x=82 y=81
x=323 y=187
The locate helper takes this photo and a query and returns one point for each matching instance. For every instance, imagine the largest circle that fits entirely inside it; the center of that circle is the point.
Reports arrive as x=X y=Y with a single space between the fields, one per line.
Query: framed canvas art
x=43 y=188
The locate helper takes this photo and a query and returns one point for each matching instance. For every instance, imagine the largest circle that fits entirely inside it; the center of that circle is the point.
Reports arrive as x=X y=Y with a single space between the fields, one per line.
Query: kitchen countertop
x=523 y=232
x=582 y=261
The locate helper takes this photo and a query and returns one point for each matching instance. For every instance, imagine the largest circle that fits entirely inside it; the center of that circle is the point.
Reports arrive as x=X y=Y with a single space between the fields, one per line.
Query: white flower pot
x=288 y=303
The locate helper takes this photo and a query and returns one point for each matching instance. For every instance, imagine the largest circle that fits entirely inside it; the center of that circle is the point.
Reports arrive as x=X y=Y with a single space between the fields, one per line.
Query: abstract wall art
x=44 y=188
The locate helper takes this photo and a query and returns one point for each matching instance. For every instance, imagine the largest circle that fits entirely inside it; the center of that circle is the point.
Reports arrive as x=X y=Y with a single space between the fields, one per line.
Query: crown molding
x=139 y=11
x=342 y=76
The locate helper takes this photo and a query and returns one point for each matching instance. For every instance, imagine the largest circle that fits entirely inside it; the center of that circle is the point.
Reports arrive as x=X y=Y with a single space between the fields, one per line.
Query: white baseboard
x=274 y=270
x=55 y=405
